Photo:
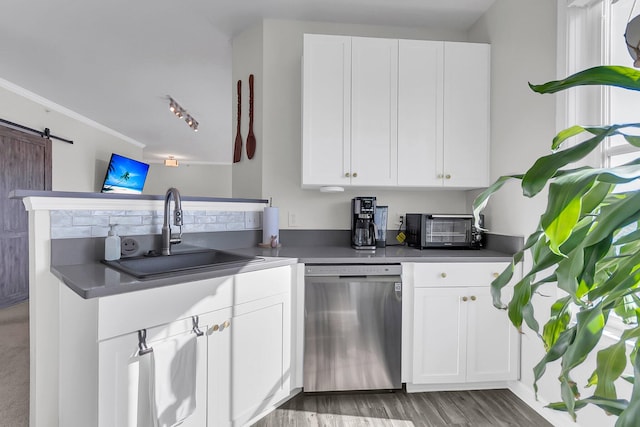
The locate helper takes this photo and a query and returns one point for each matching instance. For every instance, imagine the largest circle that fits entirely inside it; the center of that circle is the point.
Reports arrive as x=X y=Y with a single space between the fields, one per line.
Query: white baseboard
x=420 y=388
x=557 y=418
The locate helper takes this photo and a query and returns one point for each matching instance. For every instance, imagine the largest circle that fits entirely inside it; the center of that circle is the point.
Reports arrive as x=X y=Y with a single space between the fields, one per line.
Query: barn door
x=25 y=164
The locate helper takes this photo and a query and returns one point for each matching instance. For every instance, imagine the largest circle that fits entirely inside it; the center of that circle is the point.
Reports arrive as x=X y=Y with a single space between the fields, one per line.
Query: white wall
x=247 y=59
x=280 y=84
x=190 y=180
x=75 y=167
x=81 y=166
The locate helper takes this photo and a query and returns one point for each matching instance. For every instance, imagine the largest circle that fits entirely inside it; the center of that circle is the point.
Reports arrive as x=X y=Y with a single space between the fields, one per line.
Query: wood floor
x=488 y=408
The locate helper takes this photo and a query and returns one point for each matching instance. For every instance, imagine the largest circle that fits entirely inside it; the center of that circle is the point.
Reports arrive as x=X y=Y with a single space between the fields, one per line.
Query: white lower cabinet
x=459 y=337
x=243 y=356
x=260 y=365
x=124 y=384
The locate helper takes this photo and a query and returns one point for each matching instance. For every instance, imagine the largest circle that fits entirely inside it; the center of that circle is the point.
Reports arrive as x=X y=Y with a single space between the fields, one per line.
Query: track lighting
x=180 y=113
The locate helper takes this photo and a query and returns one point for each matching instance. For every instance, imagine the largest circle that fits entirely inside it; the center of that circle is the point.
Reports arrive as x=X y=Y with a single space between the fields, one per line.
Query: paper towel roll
x=270 y=225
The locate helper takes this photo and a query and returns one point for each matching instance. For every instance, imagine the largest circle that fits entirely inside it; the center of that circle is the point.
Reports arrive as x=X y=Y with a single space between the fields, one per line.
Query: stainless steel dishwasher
x=353 y=322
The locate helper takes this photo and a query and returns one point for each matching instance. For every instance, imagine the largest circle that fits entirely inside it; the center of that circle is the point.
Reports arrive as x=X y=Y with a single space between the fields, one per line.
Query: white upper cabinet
x=386 y=112
x=374 y=118
x=443 y=114
x=326 y=110
x=466 y=114
x=420 y=97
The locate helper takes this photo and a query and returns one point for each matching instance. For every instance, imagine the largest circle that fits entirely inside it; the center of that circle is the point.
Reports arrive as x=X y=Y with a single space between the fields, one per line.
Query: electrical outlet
x=129 y=246
x=293 y=219
x=252 y=220
x=398 y=218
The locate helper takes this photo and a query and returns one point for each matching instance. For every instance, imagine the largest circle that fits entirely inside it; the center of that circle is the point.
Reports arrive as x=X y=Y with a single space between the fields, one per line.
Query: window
x=594 y=35
x=622 y=105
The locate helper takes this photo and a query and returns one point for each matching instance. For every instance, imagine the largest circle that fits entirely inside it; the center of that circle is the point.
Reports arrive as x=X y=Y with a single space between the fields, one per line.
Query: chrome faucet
x=167 y=238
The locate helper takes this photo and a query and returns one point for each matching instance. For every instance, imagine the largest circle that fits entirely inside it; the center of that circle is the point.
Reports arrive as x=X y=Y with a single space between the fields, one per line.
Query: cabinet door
x=439 y=335
x=261 y=356
x=420 y=86
x=218 y=367
x=124 y=382
x=326 y=110
x=466 y=114
x=492 y=352
x=374 y=119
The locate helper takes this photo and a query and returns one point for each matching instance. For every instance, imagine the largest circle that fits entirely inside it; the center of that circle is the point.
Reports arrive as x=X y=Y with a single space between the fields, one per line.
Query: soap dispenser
x=112 y=245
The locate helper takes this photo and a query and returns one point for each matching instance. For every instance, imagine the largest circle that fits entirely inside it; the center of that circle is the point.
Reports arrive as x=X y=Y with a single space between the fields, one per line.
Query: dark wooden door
x=25 y=164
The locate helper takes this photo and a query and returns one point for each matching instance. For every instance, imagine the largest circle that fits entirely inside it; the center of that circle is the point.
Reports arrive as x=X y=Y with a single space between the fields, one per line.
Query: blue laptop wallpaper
x=124 y=175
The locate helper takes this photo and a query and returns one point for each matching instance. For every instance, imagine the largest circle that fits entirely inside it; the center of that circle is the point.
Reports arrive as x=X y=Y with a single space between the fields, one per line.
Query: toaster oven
x=444 y=231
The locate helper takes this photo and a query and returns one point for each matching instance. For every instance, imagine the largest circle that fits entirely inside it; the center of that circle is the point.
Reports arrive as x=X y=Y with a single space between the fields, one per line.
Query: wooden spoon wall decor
x=251 y=138
x=237 y=148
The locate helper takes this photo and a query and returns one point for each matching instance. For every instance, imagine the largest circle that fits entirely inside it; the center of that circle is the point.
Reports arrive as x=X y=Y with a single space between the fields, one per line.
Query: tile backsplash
x=67 y=224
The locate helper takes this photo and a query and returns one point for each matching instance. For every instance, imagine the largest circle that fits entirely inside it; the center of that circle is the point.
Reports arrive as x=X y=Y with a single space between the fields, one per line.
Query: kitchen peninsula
x=85 y=316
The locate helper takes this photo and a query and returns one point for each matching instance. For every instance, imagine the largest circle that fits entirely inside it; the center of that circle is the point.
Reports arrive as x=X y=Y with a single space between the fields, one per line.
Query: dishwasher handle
x=352 y=270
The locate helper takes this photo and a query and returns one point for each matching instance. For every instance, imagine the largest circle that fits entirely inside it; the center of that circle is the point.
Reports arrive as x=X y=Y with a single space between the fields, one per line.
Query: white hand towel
x=173 y=382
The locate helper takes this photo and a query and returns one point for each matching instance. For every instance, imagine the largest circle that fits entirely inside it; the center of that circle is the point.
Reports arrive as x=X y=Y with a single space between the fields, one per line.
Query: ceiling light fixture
x=171 y=162
x=180 y=113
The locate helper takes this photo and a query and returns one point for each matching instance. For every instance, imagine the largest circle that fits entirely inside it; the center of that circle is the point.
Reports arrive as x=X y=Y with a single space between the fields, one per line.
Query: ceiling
x=116 y=61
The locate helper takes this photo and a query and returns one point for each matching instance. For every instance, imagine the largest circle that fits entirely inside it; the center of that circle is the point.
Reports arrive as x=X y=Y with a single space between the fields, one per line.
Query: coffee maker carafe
x=363 y=228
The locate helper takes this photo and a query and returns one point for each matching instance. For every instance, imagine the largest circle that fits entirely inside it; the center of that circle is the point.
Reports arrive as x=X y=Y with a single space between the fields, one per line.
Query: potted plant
x=588 y=243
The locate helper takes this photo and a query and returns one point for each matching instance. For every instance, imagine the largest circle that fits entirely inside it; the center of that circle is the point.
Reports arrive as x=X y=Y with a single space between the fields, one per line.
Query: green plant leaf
x=611 y=406
x=614 y=216
x=561 y=226
x=590 y=324
x=608 y=75
x=594 y=197
x=557 y=323
x=547 y=166
x=557 y=350
x=529 y=317
x=566 y=134
x=632 y=237
x=500 y=282
x=610 y=364
x=592 y=256
x=567 y=392
x=568 y=271
x=630 y=416
x=521 y=297
x=480 y=202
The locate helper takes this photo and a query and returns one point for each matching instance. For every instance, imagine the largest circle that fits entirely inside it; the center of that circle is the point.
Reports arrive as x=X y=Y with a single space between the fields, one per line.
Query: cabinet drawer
x=119 y=314
x=261 y=284
x=456 y=274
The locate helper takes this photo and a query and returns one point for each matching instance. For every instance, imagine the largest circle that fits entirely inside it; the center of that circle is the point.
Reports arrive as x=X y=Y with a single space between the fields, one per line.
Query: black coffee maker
x=363 y=228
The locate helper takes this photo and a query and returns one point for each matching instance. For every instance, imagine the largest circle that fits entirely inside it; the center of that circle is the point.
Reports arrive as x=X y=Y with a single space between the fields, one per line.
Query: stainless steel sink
x=148 y=267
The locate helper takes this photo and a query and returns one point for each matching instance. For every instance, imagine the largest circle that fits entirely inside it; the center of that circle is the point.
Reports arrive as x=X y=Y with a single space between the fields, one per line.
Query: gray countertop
x=91 y=280
x=389 y=255
x=98 y=280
